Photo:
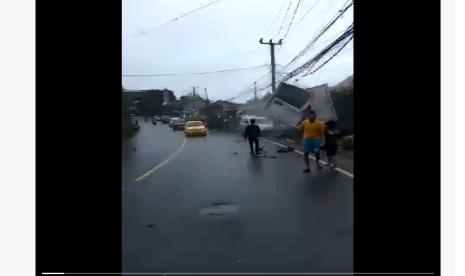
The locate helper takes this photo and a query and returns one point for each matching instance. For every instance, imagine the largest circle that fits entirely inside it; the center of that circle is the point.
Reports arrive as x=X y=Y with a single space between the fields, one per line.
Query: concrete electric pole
x=272 y=44
x=255 y=92
x=193 y=98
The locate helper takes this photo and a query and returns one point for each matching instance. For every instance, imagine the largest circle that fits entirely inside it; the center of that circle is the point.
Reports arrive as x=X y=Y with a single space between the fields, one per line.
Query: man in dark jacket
x=252 y=132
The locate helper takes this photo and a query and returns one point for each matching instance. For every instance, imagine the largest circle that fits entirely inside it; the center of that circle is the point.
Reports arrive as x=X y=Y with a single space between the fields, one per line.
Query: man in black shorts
x=252 y=132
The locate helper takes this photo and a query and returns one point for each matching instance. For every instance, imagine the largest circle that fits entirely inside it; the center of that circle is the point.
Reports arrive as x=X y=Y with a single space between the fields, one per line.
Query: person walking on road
x=313 y=138
x=252 y=132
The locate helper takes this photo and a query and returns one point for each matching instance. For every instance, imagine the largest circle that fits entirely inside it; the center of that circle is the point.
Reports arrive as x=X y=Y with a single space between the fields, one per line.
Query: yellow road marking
x=162 y=163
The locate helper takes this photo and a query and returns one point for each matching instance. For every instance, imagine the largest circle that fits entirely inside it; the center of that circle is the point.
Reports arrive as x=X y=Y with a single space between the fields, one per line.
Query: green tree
x=153 y=102
x=127 y=128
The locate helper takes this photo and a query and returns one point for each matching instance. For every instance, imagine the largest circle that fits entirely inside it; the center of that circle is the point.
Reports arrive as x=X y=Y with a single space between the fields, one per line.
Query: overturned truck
x=288 y=103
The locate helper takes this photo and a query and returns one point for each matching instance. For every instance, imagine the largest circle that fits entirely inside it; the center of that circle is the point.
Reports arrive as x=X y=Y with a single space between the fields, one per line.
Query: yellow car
x=195 y=128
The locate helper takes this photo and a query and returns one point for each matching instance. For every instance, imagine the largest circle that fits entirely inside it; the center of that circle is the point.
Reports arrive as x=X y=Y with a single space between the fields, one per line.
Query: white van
x=264 y=123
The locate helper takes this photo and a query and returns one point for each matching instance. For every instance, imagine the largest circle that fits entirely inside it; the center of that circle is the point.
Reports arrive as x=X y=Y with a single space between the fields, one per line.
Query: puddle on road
x=219 y=209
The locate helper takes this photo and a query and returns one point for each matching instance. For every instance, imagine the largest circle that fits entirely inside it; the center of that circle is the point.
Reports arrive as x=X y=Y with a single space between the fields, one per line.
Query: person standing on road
x=252 y=132
x=330 y=148
x=313 y=138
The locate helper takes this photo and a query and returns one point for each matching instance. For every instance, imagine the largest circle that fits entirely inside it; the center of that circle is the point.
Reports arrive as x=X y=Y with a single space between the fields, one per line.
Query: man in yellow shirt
x=313 y=138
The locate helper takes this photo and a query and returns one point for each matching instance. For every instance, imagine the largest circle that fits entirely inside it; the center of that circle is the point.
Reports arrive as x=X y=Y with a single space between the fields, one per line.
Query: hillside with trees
x=153 y=103
x=127 y=128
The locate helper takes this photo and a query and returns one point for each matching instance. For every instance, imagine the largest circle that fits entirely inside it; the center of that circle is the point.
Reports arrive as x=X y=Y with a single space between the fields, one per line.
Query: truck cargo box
x=288 y=103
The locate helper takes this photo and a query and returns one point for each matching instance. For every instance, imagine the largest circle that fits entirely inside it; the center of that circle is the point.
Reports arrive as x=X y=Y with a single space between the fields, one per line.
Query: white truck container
x=288 y=103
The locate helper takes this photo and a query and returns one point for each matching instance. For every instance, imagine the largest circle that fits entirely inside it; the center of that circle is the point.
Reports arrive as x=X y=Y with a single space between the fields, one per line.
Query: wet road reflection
x=215 y=208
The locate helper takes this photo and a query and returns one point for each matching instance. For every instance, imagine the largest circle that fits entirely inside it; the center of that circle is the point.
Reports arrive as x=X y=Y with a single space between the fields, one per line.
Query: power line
x=333 y=21
x=177 y=18
x=250 y=90
x=335 y=54
x=292 y=20
x=285 y=16
x=346 y=2
x=290 y=24
x=257 y=80
x=309 y=10
x=311 y=62
x=324 y=30
x=196 y=73
x=240 y=94
x=277 y=15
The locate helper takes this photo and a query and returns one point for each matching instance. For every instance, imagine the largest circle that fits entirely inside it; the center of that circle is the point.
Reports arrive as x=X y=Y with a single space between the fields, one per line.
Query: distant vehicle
x=178 y=124
x=165 y=119
x=266 y=126
x=157 y=118
x=195 y=128
x=172 y=121
x=154 y=120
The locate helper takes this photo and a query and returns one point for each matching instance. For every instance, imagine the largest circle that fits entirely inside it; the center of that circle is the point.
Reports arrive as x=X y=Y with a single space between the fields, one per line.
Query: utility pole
x=272 y=44
x=193 y=98
x=255 y=92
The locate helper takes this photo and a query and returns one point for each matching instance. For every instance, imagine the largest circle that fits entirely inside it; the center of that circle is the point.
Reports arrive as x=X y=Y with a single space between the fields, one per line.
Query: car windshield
x=262 y=121
x=179 y=121
x=194 y=124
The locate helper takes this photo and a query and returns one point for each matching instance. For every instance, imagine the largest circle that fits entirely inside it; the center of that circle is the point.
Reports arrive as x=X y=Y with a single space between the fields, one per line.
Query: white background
x=458 y=151
x=17 y=138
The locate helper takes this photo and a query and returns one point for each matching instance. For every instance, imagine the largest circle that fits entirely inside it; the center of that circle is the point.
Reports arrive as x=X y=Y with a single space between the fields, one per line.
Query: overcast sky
x=224 y=36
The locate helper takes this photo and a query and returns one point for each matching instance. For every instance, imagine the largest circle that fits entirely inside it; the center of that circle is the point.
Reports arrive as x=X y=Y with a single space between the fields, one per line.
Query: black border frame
x=397 y=124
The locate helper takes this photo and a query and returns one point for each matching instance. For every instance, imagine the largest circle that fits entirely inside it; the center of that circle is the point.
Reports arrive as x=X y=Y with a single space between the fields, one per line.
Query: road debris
x=219 y=209
x=288 y=149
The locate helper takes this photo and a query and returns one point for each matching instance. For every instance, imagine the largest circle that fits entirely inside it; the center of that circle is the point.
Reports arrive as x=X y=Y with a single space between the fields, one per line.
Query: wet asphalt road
x=213 y=208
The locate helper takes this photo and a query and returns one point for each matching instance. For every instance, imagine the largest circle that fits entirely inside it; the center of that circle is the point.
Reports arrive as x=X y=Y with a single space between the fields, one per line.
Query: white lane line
x=162 y=163
x=301 y=153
